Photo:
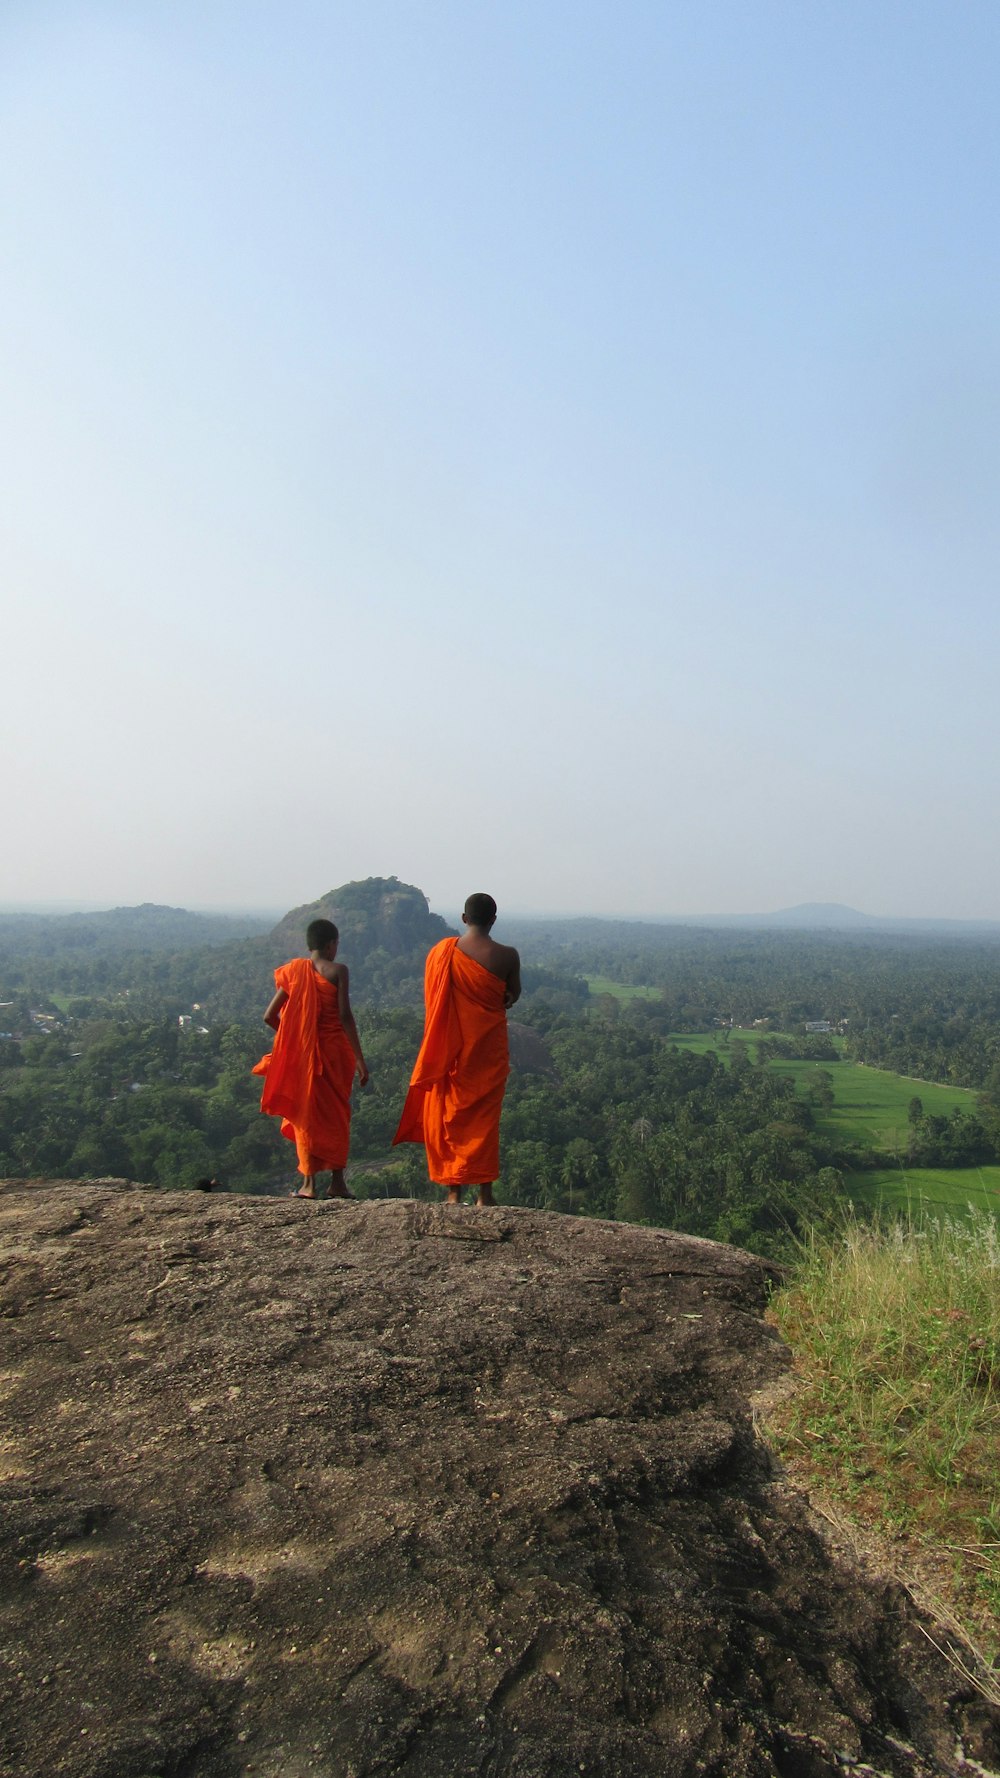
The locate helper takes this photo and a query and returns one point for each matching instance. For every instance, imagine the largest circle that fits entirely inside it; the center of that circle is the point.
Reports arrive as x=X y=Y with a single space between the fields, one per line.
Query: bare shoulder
x=507 y=956
x=331 y=972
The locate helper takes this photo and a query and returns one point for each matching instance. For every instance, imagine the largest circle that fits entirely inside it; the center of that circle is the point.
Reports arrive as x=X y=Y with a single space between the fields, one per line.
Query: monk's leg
x=484 y=1195
x=338 y=1184
x=308 y=1166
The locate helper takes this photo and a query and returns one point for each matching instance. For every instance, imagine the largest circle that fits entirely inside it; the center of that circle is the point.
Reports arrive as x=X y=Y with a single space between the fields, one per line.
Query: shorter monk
x=456 y=1090
x=317 y=1052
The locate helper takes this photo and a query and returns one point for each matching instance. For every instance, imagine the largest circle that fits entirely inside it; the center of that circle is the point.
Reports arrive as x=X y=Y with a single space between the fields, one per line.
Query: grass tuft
x=895 y=1328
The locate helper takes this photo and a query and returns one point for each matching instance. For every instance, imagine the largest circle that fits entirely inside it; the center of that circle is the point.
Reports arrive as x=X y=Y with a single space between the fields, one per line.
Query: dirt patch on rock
x=352 y=1490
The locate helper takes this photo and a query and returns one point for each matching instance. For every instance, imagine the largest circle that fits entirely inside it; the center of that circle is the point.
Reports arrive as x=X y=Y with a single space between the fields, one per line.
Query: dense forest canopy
x=145 y=928
x=124 y=1054
x=927 y=1006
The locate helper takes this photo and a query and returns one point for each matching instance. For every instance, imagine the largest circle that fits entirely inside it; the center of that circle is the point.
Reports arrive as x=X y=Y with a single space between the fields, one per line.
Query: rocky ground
x=353 y=1490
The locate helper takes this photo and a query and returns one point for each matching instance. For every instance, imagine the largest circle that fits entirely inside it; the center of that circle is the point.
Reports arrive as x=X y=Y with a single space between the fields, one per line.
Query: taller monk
x=317 y=1052
x=457 y=1086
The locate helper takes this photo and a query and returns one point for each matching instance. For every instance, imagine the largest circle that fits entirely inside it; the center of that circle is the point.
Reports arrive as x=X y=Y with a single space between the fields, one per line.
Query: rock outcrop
x=354 y=1490
x=386 y=930
x=378 y=913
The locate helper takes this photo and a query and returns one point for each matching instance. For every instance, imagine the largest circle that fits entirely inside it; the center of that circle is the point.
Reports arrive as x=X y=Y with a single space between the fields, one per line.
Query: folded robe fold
x=310 y=1071
x=457 y=1086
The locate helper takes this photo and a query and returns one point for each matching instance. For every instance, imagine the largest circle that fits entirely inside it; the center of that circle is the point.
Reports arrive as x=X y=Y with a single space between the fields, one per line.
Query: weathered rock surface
x=383 y=1488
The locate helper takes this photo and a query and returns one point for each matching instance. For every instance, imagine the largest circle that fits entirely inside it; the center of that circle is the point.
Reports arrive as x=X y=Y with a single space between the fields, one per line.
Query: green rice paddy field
x=870 y=1107
x=928 y=1191
x=602 y=984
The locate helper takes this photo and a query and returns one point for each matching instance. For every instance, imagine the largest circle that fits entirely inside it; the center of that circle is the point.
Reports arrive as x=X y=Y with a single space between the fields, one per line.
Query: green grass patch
x=895 y=1328
x=602 y=984
x=870 y=1105
x=723 y=1042
x=920 y=1192
x=716 y=1043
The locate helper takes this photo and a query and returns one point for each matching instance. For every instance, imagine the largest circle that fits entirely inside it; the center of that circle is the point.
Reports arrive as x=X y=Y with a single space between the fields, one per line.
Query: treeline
x=934 y=1041
x=135 y=1099
x=958 y=1140
x=926 y=1007
x=618 y=1122
x=229 y=983
x=624 y=1124
x=810 y=1047
x=640 y=1129
x=118 y=930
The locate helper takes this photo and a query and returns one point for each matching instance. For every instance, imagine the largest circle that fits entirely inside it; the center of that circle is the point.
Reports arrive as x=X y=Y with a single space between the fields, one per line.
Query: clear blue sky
x=550 y=448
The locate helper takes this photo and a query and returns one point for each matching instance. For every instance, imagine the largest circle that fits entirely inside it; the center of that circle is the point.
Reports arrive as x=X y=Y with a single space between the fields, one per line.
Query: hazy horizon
x=551 y=449
x=451 y=913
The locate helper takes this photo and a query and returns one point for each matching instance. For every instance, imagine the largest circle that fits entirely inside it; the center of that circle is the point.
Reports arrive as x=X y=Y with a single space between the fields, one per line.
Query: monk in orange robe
x=457 y=1086
x=310 y=1071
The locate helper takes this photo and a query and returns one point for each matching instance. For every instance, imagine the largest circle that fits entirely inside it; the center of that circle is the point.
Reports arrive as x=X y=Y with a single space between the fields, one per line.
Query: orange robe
x=457 y=1086
x=310 y=1071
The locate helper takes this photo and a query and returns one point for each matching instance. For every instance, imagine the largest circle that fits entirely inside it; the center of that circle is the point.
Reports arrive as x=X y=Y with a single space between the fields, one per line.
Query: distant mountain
x=226 y=962
x=833 y=916
x=807 y=916
x=149 y=927
x=552 y=936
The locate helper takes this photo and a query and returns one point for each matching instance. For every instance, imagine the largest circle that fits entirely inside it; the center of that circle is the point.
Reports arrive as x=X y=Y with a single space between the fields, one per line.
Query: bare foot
x=302 y=1193
x=454 y=1194
x=341 y=1191
x=486 y=1199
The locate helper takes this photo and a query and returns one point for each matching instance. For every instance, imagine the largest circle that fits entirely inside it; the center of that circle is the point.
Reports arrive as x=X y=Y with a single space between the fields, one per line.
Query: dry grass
x=895 y=1329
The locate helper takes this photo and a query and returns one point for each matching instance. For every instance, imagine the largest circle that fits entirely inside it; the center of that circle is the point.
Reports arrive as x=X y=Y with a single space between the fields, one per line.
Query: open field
x=602 y=984
x=928 y=1191
x=870 y=1107
x=870 y=1104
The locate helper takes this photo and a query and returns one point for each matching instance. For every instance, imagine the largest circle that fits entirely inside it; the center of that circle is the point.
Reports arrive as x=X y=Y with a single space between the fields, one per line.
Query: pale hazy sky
x=549 y=447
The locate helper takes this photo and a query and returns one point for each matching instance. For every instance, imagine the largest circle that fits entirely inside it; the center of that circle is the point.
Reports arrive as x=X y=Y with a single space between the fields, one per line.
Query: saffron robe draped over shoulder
x=309 y=1073
x=457 y=1086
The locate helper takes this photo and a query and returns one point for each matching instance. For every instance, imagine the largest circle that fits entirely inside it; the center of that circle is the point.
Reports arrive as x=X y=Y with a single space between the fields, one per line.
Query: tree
x=635 y=1199
x=822 y=1088
x=579 y=1169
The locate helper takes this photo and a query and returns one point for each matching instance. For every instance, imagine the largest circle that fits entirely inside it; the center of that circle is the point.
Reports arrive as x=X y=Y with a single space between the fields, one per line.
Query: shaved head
x=480 y=910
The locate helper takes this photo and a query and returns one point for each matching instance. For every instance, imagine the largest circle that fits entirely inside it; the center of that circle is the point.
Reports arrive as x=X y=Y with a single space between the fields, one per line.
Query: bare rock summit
x=377 y=913
x=352 y=1490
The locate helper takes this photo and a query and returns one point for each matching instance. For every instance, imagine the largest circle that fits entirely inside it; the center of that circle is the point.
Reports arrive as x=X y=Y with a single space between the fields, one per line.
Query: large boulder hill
x=351 y=1490
x=378 y=913
x=386 y=930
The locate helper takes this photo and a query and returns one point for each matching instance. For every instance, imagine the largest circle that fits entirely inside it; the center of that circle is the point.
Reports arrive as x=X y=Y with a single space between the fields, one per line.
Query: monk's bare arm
x=347 y=1020
x=512 y=991
x=272 y=1016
